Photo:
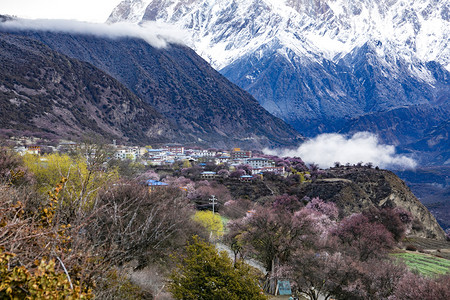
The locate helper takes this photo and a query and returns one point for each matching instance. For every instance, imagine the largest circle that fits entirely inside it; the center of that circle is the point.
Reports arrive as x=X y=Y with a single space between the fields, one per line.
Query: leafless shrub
x=136 y=224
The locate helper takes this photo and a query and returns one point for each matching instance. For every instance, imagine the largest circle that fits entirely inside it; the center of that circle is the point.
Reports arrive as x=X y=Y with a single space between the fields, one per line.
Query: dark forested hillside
x=203 y=104
x=43 y=91
x=420 y=130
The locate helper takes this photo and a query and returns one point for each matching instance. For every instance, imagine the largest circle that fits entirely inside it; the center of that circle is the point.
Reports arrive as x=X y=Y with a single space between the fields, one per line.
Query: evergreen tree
x=203 y=273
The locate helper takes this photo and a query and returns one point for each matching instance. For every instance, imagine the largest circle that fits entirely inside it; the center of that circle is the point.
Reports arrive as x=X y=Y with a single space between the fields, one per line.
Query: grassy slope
x=425 y=264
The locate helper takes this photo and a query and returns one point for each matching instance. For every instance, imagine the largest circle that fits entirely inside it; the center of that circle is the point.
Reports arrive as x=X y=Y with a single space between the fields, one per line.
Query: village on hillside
x=136 y=203
x=169 y=154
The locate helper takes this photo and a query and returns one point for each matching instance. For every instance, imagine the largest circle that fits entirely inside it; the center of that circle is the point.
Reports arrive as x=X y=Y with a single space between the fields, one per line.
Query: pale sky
x=83 y=10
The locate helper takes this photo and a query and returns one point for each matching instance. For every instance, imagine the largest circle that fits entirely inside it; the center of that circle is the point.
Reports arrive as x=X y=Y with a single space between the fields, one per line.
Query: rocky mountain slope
x=202 y=104
x=43 y=91
x=356 y=188
x=353 y=189
x=432 y=186
x=321 y=64
x=419 y=130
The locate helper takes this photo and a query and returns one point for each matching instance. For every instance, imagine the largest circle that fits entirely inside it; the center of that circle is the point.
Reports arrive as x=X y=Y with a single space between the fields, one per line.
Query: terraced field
x=428 y=243
x=425 y=264
x=439 y=248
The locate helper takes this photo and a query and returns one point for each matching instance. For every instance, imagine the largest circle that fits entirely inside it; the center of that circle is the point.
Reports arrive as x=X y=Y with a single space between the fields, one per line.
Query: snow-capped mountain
x=222 y=31
x=318 y=63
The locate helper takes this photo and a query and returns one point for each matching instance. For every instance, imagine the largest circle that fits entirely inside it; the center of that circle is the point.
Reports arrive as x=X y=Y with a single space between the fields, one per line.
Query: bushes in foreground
x=203 y=273
x=71 y=242
x=39 y=282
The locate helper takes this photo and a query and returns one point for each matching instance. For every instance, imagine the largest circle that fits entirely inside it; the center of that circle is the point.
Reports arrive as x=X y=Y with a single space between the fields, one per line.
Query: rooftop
x=152 y=182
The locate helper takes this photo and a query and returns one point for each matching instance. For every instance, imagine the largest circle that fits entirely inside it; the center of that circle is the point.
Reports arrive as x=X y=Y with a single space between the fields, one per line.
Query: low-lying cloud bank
x=326 y=149
x=156 y=34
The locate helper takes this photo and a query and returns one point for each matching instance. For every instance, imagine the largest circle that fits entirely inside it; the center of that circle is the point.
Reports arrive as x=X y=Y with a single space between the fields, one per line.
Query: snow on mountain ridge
x=131 y=10
x=224 y=30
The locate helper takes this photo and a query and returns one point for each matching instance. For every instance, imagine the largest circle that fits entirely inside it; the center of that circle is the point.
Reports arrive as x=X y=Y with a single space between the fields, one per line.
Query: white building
x=276 y=170
x=259 y=162
x=131 y=153
x=156 y=152
x=174 y=148
x=204 y=153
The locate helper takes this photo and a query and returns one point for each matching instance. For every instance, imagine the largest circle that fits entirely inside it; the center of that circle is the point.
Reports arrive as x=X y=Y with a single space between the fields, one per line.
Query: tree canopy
x=203 y=273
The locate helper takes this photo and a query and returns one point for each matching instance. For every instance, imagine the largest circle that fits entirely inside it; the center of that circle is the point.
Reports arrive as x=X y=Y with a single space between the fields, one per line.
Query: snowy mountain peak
x=129 y=10
x=225 y=30
x=324 y=65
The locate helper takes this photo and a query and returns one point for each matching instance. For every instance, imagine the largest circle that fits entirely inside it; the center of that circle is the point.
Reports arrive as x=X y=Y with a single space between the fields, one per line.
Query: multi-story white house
x=22 y=150
x=259 y=162
x=131 y=153
x=222 y=160
x=156 y=152
x=204 y=153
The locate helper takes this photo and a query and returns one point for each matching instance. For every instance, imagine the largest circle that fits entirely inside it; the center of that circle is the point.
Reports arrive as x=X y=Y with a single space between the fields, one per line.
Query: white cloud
x=156 y=34
x=82 y=10
x=326 y=149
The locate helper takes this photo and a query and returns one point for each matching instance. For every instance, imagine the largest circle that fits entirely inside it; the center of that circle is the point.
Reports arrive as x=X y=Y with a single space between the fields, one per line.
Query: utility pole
x=213 y=201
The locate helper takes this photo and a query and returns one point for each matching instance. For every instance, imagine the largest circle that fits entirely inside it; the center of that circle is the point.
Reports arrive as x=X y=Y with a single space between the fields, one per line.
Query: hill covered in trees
x=201 y=104
x=47 y=93
x=91 y=225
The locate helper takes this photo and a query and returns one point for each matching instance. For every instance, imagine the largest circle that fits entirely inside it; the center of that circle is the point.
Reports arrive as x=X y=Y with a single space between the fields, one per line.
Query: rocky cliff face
x=43 y=91
x=356 y=188
x=200 y=103
x=432 y=186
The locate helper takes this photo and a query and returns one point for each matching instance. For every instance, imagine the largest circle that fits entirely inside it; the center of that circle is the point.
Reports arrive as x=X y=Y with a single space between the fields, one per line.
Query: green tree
x=187 y=164
x=212 y=222
x=84 y=178
x=203 y=273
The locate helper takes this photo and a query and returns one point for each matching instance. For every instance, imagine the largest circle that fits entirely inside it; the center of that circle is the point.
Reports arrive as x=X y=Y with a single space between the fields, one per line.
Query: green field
x=425 y=264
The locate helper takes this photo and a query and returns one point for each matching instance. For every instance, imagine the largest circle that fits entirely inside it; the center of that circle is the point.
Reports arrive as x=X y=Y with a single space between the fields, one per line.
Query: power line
x=213 y=201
